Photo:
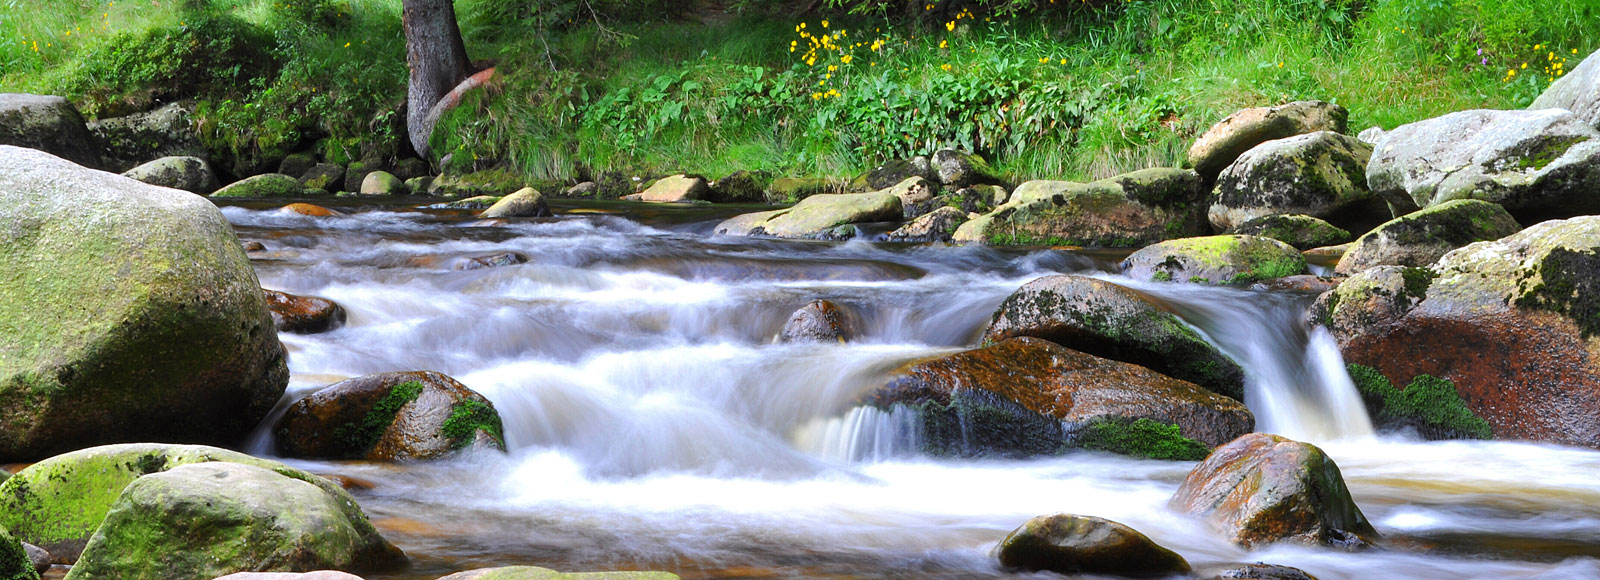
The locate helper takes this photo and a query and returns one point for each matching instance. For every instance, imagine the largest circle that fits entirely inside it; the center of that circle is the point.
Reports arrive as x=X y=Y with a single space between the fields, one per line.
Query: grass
x=1082 y=96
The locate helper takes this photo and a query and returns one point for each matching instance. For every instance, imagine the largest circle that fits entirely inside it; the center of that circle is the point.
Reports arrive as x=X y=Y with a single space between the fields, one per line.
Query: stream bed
x=653 y=423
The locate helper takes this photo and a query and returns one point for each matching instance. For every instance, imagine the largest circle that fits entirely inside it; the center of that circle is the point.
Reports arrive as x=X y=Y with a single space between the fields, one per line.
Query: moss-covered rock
x=1224 y=142
x=1261 y=489
x=1429 y=406
x=1125 y=211
x=677 y=188
x=388 y=417
x=191 y=174
x=489 y=182
x=1321 y=174
x=1215 y=260
x=1420 y=238
x=1110 y=321
x=356 y=172
x=1075 y=545
x=49 y=124
x=1026 y=396
x=382 y=183
x=1537 y=164
x=893 y=172
x=1301 y=231
x=134 y=139
x=59 y=502
x=818 y=216
x=738 y=187
x=209 y=519
x=1140 y=438
x=325 y=177
x=300 y=163
x=959 y=169
x=1577 y=91
x=525 y=202
x=533 y=573
x=127 y=312
x=14 y=561
x=266 y=185
x=1373 y=301
x=794 y=189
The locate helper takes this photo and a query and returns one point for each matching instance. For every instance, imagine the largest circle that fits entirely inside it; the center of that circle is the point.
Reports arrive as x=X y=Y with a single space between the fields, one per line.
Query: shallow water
x=654 y=424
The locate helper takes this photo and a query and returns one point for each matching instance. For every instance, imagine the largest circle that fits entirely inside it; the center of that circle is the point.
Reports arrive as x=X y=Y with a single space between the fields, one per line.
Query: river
x=653 y=423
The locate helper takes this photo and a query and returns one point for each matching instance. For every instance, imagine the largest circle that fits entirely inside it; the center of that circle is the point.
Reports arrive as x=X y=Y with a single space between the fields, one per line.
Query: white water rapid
x=654 y=424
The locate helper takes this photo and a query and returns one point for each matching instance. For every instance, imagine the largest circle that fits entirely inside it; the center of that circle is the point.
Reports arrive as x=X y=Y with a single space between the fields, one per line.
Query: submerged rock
x=677 y=188
x=1224 y=142
x=1530 y=299
x=131 y=313
x=1110 y=321
x=1215 y=260
x=303 y=314
x=191 y=174
x=209 y=519
x=496 y=260
x=825 y=216
x=820 y=321
x=1301 y=231
x=533 y=573
x=49 y=124
x=1073 y=544
x=389 y=417
x=1012 y=399
x=526 y=202
x=1262 y=489
x=1536 y=164
x=1420 y=238
x=1321 y=174
x=1125 y=211
x=1577 y=91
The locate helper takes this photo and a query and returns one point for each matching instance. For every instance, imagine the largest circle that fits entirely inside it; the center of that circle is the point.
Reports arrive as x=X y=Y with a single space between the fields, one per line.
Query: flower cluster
x=1554 y=63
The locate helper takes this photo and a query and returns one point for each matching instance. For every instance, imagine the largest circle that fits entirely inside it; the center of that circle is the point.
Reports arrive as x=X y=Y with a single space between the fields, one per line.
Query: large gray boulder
x=165 y=132
x=1537 y=164
x=191 y=174
x=823 y=216
x=677 y=188
x=266 y=185
x=1321 y=174
x=47 y=123
x=127 y=312
x=206 y=520
x=1126 y=211
x=1577 y=91
x=1228 y=259
x=1301 y=231
x=958 y=169
x=1420 y=238
x=1073 y=545
x=1224 y=142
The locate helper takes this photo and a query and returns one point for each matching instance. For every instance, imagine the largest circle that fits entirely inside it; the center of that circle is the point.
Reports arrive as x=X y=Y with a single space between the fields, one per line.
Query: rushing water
x=654 y=423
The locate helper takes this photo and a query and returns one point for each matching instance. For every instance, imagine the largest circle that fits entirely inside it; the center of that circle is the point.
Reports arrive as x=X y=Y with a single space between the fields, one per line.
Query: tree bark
x=438 y=61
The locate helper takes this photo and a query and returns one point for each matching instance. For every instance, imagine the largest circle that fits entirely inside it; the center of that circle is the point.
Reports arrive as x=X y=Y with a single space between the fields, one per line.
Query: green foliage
x=1143 y=438
x=1428 y=404
x=362 y=437
x=467 y=418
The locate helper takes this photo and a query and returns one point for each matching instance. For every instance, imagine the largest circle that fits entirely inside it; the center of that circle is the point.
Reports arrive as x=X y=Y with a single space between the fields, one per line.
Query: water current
x=653 y=422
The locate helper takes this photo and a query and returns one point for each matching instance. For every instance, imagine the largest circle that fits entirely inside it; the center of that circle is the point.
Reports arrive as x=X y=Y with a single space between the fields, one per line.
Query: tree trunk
x=437 y=59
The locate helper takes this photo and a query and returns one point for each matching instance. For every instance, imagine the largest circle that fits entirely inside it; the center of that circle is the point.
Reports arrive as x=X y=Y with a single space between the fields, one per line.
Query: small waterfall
x=864 y=434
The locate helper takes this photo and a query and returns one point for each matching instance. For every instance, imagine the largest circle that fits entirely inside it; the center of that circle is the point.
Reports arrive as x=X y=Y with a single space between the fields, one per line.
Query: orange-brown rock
x=1073 y=544
x=313 y=210
x=303 y=314
x=387 y=417
x=1262 y=489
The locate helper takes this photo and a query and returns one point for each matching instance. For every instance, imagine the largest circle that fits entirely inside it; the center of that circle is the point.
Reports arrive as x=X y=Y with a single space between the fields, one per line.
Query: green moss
x=1162 y=276
x=1428 y=404
x=1543 y=154
x=467 y=418
x=1143 y=438
x=1569 y=285
x=14 y=563
x=362 y=437
x=1417 y=281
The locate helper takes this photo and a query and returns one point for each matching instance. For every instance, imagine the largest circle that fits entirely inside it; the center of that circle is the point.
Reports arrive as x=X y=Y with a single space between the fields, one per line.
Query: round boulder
x=1224 y=142
x=1072 y=544
x=191 y=174
x=311 y=210
x=1301 y=231
x=677 y=188
x=526 y=202
x=47 y=123
x=303 y=314
x=1126 y=211
x=209 y=519
x=1321 y=174
x=389 y=417
x=1262 y=489
x=131 y=312
x=1420 y=238
x=382 y=183
x=820 y=321
x=1111 y=321
x=266 y=185
x=1229 y=259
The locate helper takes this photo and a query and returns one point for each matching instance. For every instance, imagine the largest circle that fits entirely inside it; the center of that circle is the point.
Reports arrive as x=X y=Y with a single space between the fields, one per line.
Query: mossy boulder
x=1074 y=545
x=355 y=174
x=534 y=573
x=382 y=183
x=1537 y=164
x=1242 y=131
x=1262 y=489
x=525 y=202
x=389 y=417
x=422 y=185
x=1577 y=91
x=1114 y=322
x=134 y=139
x=1321 y=174
x=825 y=216
x=299 y=163
x=1230 y=259
x=1428 y=406
x=1026 y=396
x=1125 y=211
x=479 y=202
x=793 y=189
x=266 y=185
x=303 y=314
x=677 y=188
x=49 y=124
x=205 y=520
x=897 y=171
x=1420 y=238
x=14 y=561
x=937 y=226
x=492 y=182
x=958 y=169
x=325 y=177
x=191 y=174
x=1532 y=299
x=738 y=187
x=58 y=503
x=1301 y=231
x=128 y=312
x=820 y=321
